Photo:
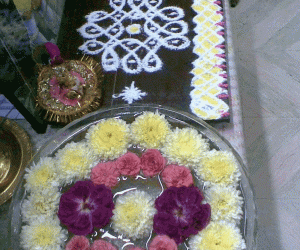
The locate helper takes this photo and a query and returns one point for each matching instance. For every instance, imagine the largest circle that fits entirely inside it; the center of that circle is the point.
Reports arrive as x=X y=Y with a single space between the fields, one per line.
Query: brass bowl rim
x=26 y=154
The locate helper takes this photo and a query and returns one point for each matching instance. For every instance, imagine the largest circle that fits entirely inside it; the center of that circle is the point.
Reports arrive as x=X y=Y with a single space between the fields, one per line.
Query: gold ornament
x=69 y=90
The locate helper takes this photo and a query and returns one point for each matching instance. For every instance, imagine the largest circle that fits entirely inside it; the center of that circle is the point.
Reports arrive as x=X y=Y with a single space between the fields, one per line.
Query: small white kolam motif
x=209 y=81
x=132 y=33
x=130 y=94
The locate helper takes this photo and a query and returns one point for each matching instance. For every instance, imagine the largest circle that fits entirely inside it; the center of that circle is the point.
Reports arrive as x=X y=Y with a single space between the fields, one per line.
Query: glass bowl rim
x=152 y=107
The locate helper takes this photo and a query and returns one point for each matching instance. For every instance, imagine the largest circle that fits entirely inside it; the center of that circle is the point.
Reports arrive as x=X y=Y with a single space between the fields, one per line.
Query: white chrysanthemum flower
x=74 y=162
x=218 y=167
x=185 y=147
x=218 y=236
x=43 y=233
x=42 y=176
x=40 y=204
x=133 y=214
x=226 y=203
x=150 y=130
x=109 y=138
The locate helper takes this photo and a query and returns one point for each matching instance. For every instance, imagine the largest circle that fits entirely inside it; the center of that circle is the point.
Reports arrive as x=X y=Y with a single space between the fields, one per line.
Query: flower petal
x=191 y=196
x=101 y=196
x=69 y=209
x=81 y=189
x=101 y=217
x=167 y=200
x=83 y=225
x=202 y=218
x=165 y=222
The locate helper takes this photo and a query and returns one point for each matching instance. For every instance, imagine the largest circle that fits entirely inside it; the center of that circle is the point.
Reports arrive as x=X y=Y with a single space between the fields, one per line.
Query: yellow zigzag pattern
x=205 y=101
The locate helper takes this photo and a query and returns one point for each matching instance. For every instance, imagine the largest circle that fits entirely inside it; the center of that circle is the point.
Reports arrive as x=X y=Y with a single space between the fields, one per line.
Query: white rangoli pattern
x=131 y=94
x=130 y=36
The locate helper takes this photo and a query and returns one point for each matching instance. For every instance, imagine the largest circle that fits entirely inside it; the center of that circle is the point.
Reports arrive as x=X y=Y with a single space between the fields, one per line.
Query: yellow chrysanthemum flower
x=42 y=176
x=218 y=167
x=218 y=236
x=40 y=204
x=74 y=162
x=150 y=130
x=185 y=147
x=225 y=202
x=109 y=138
x=43 y=233
x=133 y=214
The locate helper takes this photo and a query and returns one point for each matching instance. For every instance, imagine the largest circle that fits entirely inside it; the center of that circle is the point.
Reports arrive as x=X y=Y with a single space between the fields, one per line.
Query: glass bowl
x=76 y=131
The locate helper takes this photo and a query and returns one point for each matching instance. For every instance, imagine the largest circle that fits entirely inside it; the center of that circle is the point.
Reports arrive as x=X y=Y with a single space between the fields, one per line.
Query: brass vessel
x=15 y=154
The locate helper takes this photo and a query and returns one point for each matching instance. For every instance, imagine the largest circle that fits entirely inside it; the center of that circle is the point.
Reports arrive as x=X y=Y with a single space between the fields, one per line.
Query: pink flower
x=152 y=162
x=177 y=176
x=102 y=245
x=129 y=164
x=105 y=173
x=78 y=242
x=162 y=242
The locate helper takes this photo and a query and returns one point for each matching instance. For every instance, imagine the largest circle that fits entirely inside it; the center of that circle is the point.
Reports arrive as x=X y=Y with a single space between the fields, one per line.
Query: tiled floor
x=8 y=110
x=266 y=38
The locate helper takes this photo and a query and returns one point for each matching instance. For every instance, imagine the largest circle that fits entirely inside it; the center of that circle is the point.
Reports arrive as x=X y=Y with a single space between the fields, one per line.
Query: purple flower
x=180 y=213
x=86 y=206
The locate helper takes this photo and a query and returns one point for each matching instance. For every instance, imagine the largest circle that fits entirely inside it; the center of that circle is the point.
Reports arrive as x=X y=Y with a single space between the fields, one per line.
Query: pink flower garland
x=162 y=242
x=105 y=173
x=152 y=162
x=129 y=164
x=102 y=245
x=177 y=176
x=78 y=242
x=82 y=243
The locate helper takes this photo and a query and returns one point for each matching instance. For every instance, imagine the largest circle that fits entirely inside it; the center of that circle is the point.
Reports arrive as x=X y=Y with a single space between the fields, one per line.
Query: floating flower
x=78 y=242
x=85 y=206
x=185 y=147
x=218 y=167
x=109 y=138
x=152 y=162
x=226 y=203
x=42 y=175
x=133 y=214
x=177 y=176
x=162 y=242
x=102 y=245
x=218 y=236
x=74 y=162
x=43 y=233
x=105 y=173
x=150 y=130
x=40 y=203
x=180 y=213
x=129 y=164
